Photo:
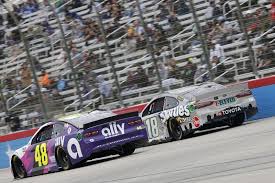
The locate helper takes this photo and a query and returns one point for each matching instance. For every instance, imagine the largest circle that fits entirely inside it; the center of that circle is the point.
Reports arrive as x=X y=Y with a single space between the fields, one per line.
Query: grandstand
x=177 y=48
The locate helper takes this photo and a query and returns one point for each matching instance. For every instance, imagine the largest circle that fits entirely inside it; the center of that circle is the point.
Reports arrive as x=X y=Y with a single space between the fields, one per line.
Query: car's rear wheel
x=18 y=168
x=127 y=149
x=175 y=131
x=237 y=120
x=63 y=159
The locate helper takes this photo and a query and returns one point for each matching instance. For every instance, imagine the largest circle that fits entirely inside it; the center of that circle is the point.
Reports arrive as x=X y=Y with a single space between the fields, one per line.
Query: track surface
x=242 y=154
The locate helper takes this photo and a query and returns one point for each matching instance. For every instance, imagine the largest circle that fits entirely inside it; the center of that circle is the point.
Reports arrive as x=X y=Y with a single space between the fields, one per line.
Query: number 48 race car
x=179 y=113
x=64 y=144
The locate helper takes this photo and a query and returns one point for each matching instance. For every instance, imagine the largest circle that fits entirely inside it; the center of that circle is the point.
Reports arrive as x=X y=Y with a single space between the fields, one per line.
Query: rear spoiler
x=229 y=90
x=110 y=119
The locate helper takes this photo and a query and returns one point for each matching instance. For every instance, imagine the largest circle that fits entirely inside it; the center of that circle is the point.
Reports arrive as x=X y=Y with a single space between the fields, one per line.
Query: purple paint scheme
x=80 y=143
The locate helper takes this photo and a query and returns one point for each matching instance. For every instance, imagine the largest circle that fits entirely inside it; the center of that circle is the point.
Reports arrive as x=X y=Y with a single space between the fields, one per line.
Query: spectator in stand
x=213 y=10
x=218 y=33
x=163 y=70
x=116 y=11
x=141 y=77
x=104 y=87
x=216 y=50
x=266 y=56
x=164 y=11
x=218 y=69
x=181 y=7
x=9 y=41
x=89 y=34
x=26 y=75
x=189 y=71
x=44 y=80
x=201 y=74
x=130 y=81
x=174 y=23
x=76 y=4
x=47 y=28
x=173 y=70
x=29 y=7
x=61 y=84
x=131 y=41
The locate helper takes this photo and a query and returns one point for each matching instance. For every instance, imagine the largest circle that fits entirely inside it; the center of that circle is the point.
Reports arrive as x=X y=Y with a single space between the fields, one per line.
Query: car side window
x=170 y=102
x=154 y=107
x=58 y=130
x=44 y=134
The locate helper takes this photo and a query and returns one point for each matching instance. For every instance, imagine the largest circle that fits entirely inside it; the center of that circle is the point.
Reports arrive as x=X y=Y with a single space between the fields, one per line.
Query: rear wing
x=229 y=91
x=110 y=119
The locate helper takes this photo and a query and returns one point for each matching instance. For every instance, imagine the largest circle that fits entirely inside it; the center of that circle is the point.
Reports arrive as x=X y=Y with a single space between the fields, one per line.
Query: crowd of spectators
x=219 y=28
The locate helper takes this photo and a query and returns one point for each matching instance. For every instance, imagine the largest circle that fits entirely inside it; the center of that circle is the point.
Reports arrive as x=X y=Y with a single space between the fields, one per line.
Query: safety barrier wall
x=262 y=89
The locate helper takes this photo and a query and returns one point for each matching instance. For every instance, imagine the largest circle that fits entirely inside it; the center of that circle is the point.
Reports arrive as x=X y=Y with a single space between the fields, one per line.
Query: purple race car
x=64 y=144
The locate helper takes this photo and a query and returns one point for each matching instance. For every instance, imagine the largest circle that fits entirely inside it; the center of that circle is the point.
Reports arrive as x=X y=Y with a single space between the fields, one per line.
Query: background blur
x=63 y=56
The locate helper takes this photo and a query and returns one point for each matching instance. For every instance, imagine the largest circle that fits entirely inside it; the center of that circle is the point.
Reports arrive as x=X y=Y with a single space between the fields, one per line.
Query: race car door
x=40 y=150
x=150 y=116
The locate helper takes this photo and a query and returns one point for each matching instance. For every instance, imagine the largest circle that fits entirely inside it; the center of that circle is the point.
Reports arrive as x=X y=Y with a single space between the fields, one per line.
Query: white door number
x=152 y=127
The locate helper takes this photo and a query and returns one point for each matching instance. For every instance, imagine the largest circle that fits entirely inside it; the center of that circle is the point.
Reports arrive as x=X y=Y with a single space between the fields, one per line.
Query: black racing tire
x=238 y=120
x=174 y=129
x=18 y=168
x=127 y=149
x=63 y=159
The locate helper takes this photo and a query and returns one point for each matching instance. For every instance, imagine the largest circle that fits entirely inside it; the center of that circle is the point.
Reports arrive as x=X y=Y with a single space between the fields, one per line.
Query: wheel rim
x=19 y=167
x=176 y=130
x=63 y=159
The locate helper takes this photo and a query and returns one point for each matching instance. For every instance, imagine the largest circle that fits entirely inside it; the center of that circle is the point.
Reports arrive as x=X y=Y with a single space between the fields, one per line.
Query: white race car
x=178 y=113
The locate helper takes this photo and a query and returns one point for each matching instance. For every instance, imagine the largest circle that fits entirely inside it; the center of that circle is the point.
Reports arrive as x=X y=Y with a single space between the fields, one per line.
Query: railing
x=223 y=74
x=76 y=101
x=196 y=79
x=259 y=38
x=13 y=97
x=180 y=44
x=235 y=8
x=93 y=102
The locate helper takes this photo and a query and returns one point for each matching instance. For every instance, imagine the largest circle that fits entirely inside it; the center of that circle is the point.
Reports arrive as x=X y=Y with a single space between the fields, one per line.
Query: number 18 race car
x=64 y=144
x=178 y=113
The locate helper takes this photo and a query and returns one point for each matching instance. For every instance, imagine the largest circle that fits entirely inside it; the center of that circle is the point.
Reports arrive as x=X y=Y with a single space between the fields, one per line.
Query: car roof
x=80 y=119
x=196 y=90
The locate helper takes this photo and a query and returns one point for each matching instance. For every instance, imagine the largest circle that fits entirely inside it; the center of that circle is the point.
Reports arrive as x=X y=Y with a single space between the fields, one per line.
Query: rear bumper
x=133 y=137
x=221 y=120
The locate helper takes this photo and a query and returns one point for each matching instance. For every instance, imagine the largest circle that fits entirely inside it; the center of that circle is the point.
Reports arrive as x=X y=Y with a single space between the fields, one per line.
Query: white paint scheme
x=191 y=94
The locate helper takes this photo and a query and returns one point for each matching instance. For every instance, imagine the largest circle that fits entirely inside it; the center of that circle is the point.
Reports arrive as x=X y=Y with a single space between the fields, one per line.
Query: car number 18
x=152 y=127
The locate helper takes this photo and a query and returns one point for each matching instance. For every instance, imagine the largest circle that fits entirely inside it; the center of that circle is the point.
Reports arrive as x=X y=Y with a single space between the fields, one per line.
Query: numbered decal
x=152 y=127
x=41 y=155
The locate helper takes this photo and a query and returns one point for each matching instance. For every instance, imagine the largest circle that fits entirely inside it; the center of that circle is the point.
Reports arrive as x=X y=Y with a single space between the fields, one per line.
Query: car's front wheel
x=18 y=168
x=63 y=159
x=127 y=149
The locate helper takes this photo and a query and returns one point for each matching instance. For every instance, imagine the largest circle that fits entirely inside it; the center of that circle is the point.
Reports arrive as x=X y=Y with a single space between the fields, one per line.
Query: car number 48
x=41 y=155
x=152 y=127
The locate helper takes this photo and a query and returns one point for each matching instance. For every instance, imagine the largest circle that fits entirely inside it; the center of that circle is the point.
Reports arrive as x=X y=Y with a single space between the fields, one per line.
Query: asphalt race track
x=244 y=154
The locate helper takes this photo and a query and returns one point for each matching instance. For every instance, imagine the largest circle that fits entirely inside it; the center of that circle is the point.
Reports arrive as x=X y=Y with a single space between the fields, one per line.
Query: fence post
x=202 y=39
x=3 y=99
x=244 y=30
x=149 y=45
x=109 y=55
x=71 y=65
x=29 y=58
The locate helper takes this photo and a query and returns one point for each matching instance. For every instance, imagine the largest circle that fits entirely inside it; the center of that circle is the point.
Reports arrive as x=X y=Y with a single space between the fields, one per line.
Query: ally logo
x=113 y=130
